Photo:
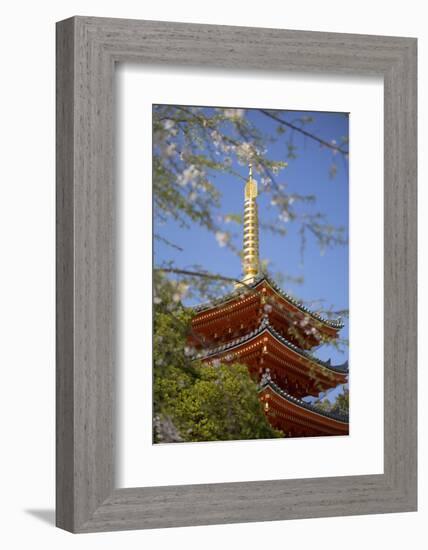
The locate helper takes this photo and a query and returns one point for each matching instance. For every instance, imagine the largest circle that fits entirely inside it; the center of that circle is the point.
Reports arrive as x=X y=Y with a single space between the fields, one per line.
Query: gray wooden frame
x=87 y=50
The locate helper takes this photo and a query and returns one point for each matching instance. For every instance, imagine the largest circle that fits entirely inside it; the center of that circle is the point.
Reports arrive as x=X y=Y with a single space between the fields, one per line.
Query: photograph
x=250 y=273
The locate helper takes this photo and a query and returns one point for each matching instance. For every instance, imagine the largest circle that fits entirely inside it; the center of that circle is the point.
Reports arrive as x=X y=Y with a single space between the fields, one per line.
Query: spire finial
x=250 y=260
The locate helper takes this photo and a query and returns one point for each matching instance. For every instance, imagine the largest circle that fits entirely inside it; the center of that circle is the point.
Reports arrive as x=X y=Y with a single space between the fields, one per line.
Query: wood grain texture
x=64 y=277
x=87 y=50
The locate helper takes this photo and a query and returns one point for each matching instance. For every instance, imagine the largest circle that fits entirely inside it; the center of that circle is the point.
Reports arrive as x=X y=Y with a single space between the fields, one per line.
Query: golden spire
x=250 y=261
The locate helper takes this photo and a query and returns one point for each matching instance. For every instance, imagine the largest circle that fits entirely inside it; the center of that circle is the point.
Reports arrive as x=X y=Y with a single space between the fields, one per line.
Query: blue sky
x=325 y=273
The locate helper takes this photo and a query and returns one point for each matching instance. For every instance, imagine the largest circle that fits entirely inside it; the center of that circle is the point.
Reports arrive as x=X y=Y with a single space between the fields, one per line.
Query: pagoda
x=273 y=334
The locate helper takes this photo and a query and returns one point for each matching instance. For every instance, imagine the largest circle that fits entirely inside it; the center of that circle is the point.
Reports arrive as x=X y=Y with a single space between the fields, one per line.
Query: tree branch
x=199 y=274
x=304 y=132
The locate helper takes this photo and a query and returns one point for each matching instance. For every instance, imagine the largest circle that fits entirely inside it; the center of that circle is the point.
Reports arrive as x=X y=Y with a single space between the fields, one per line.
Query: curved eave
x=265 y=327
x=331 y=323
x=299 y=403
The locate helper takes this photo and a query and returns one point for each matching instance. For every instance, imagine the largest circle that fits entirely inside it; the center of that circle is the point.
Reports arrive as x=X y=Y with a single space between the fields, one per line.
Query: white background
x=198 y=463
x=27 y=285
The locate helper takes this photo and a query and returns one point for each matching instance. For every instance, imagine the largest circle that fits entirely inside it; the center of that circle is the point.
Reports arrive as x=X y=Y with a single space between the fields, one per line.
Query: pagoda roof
x=265 y=326
x=268 y=382
x=333 y=323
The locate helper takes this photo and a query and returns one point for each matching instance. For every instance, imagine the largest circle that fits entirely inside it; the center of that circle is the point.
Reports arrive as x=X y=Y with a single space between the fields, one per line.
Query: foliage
x=193 y=401
x=339 y=406
x=222 y=404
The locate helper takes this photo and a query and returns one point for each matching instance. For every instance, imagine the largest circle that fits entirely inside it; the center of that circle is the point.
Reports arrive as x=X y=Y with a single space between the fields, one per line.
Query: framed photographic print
x=236 y=288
